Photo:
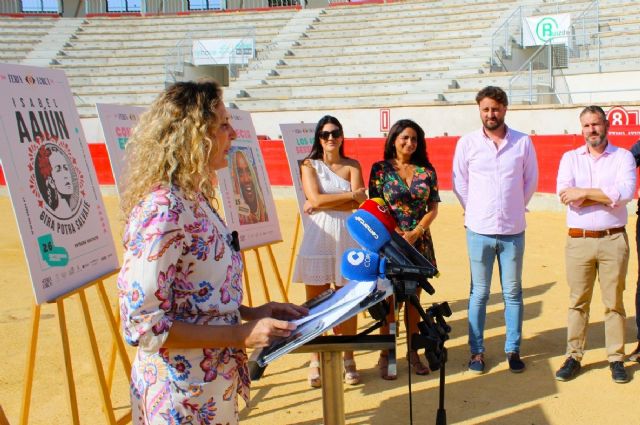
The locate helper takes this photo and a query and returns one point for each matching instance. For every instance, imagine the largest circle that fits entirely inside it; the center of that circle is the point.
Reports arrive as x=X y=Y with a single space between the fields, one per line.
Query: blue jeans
x=483 y=250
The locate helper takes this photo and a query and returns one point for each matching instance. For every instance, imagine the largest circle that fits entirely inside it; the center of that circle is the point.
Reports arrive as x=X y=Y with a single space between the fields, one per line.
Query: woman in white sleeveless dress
x=333 y=186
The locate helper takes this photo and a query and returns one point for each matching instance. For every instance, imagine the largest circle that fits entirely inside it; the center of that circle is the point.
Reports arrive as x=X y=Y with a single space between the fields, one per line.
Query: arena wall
x=549 y=149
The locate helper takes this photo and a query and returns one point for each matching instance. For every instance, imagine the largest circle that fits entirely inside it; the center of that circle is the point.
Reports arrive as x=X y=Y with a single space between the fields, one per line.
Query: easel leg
x=262 y=278
x=274 y=265
x=114 y=326
x=245 y=273
x=3 y=418
x=111 y=366
x=294 y=245
x=106 y=398
x=73 y=399
x=31 y=361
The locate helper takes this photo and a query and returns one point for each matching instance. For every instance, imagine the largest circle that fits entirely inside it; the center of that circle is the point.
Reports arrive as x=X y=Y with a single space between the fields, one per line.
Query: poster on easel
x=298 y=140
x=117 y=122
x=245 y=189
x=52 y=182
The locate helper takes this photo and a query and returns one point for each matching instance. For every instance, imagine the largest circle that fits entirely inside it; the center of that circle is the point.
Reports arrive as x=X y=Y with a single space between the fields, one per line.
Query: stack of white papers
x=345 y=303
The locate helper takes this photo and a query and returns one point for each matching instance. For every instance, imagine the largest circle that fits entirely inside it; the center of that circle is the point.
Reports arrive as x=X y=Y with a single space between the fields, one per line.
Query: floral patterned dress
x=408 y=204
x=179 y=265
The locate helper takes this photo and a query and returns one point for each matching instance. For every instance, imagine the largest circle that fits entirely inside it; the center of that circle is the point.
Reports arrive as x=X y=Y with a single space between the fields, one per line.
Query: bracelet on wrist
x=421 y=228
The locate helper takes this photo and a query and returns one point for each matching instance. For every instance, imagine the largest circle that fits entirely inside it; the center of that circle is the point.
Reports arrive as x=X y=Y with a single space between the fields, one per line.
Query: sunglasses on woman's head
x=324 y=135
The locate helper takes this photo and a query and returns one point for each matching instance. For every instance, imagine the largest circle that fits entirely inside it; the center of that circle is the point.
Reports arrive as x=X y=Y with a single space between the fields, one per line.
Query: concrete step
x=120 y=71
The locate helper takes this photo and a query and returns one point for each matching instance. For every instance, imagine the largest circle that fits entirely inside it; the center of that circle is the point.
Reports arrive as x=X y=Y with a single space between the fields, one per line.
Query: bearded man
x=596 y=181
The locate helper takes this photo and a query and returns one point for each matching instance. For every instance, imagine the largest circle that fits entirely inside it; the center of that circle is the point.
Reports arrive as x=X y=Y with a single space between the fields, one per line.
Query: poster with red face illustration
x=52 y=182
x=245 y=189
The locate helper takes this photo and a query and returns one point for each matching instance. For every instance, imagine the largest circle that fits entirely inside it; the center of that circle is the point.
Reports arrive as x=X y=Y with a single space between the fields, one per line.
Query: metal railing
x=536 y=74
x=511 y=31
x=502 y=39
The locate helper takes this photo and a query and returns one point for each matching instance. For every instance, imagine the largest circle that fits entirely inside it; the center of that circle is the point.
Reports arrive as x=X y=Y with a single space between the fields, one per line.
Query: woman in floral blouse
x=180 y=286
x=407 y=182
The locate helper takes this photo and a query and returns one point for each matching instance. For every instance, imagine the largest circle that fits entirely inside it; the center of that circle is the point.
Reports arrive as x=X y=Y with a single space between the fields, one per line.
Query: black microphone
x=235 y=241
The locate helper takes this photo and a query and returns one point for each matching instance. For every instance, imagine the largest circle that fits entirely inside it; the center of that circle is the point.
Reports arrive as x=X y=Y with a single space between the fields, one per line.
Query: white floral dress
x=179 y=266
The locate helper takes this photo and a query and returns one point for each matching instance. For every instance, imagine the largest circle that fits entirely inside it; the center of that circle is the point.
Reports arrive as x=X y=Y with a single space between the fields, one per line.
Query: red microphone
x=378 y=208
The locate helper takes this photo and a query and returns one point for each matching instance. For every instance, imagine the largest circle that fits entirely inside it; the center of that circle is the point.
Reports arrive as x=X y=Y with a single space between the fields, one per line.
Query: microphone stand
x=434 y=331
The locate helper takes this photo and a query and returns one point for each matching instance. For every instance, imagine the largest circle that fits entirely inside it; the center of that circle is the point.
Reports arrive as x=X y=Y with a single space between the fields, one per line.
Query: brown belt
x=582 y=233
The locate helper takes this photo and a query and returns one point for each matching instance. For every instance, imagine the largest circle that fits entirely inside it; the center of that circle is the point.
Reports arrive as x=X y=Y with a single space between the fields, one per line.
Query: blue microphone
x=371 y=234
x=360 y=265
x=365 y=266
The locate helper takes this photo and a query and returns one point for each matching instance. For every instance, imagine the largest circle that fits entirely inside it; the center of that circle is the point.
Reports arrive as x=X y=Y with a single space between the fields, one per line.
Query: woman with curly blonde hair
x=180 y=286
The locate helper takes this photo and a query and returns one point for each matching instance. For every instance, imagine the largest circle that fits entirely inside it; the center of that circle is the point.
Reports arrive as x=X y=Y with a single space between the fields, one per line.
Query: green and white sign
x=539 y=30
x=224 y=51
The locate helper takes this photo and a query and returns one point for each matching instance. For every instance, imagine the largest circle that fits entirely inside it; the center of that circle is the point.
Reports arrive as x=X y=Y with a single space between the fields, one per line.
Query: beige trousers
x=607 y=258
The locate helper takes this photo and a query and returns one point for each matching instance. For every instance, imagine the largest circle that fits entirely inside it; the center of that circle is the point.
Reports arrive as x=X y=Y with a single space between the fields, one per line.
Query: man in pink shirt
x=596 y=181
x=495 y=173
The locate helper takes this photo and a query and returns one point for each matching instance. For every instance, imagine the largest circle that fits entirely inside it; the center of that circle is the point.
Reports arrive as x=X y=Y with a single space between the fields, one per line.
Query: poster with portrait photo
x=245 y=189
x=117 y=122
x=298 y=140
x=52 y=182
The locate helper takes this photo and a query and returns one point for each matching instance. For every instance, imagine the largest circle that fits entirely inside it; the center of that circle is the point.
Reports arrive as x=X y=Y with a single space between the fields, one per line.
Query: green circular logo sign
x=546 y=29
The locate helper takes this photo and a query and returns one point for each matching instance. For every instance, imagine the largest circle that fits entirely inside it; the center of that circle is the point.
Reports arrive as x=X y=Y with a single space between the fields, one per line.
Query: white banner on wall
x=52 y=182
x=223 y=51
x=245 y=189
x=117 y=122
x=538 y=30
x=298 y=140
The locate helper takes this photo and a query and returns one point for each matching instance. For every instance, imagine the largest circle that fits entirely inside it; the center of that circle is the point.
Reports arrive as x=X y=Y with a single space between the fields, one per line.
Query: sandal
x=314 y=374
x=351 y=375
x=383 y=367
x=635 y=354
x=417 y=365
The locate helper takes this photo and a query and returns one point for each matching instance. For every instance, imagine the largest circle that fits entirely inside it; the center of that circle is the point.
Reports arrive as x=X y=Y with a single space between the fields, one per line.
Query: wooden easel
x=104 y=388
x=294 y=245
x=263 y=280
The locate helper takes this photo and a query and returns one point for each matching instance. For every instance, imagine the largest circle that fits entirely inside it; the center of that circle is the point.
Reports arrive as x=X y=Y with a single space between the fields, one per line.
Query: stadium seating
x=124 y=60
x=405 y=53
x=19 y=36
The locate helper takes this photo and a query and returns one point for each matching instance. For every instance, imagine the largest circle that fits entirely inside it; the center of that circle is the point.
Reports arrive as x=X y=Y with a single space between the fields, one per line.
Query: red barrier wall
x=369 y=150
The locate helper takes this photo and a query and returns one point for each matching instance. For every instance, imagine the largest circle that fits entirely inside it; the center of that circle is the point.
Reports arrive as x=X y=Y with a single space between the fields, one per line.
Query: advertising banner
x=245 y=189
x=538 y=30
x=298 y=140
x=117 y=122
x=52 y=182
x=623 y=122
x=223 y=51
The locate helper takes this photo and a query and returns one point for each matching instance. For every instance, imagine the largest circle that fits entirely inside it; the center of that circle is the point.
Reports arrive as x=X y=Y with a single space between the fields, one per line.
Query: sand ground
x=282 y=396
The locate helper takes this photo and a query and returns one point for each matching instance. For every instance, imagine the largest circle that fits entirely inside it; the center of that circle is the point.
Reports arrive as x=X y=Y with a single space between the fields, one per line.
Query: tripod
x=433 y=332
